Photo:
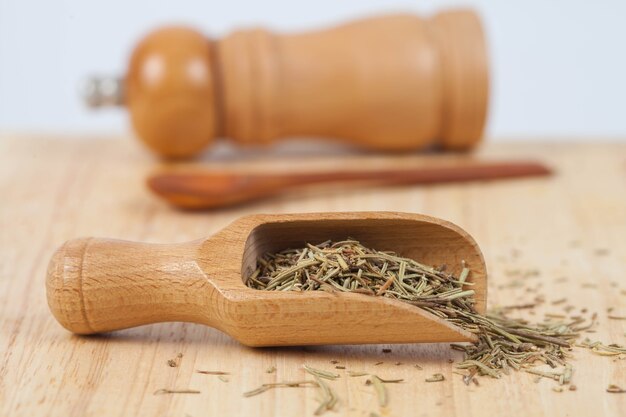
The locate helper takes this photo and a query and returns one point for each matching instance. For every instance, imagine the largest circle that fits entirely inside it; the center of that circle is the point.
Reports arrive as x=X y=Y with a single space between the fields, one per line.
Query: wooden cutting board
x=566 y=235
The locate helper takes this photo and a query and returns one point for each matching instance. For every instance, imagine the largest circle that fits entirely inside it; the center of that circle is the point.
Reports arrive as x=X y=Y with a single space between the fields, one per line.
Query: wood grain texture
x=392 y=83
x=571 y=225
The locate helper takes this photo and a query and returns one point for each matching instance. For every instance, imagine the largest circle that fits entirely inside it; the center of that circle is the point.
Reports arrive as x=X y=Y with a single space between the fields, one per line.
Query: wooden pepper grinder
x=392 y=83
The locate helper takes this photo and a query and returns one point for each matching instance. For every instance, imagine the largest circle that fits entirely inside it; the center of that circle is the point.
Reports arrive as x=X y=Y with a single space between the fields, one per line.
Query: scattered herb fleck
x=267 y=387
x=176 y=391
x=321 y=373
x=436 y=378
x=381 y=391
x=212 y=372
x=614 y=389
x=174 y=363
x=328 y=395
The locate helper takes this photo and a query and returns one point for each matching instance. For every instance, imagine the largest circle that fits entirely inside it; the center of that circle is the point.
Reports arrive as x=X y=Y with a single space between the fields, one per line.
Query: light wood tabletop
x=557 y=237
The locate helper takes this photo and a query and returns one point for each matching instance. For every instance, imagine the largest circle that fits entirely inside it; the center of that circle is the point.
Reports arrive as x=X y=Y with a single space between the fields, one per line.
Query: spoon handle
x=99 y=285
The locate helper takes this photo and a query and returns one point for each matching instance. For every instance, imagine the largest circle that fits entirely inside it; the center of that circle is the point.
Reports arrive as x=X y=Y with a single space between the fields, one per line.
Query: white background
x=558 y=66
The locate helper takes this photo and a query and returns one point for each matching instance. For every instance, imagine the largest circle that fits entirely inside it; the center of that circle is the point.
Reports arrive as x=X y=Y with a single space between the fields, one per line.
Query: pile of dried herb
x=503 y=343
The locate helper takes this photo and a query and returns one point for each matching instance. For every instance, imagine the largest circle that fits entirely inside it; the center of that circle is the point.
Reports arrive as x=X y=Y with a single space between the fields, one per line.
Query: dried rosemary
x=503 y=343
x=221 y=373
x=601 y=349
x=320 y=373
x=269 y=386
x=174 y=363
x=435 y=378
x=328 y=397
x=381 y=391
x=176 y=391
x=614 y=389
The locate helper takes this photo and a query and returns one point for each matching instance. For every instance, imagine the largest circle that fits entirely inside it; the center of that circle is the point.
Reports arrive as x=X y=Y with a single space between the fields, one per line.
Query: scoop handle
x=99 y=285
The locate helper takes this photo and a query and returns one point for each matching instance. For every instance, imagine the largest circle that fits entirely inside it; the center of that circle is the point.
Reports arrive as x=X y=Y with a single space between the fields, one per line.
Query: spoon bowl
x=100 y=285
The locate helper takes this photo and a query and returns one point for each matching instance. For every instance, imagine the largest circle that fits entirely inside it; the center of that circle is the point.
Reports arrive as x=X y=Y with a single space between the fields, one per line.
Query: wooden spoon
x=99 y=285
x=196 y=188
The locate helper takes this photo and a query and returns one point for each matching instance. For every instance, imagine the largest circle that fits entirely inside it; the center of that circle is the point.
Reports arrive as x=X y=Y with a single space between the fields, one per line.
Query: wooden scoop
x=99 y=285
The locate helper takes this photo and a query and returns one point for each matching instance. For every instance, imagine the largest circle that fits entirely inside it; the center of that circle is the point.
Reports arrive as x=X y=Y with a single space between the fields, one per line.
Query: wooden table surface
x=571 y=228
